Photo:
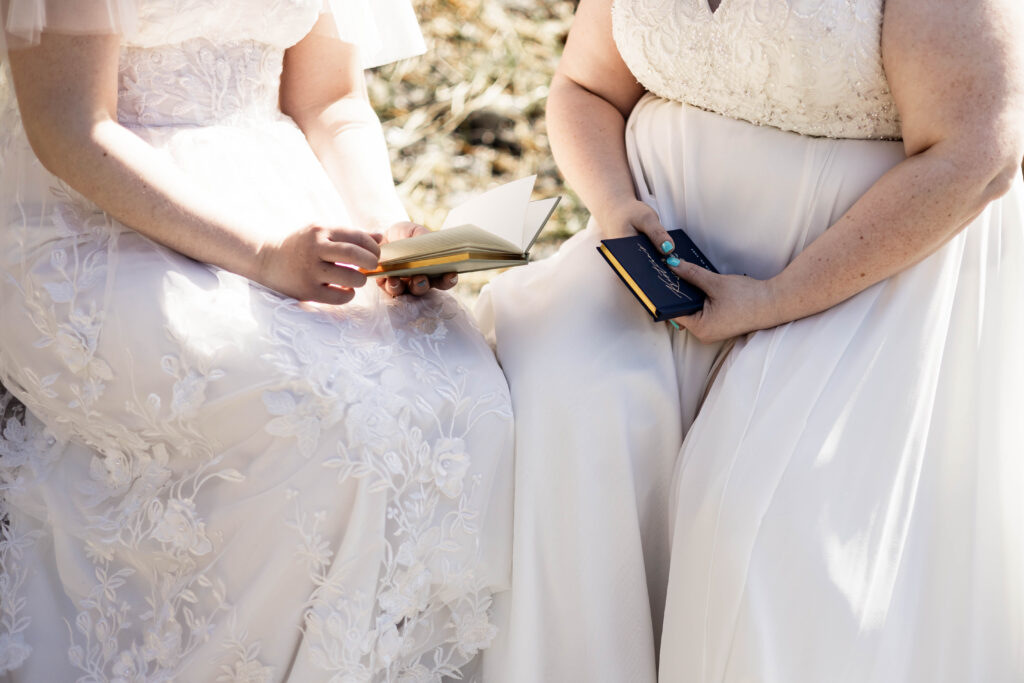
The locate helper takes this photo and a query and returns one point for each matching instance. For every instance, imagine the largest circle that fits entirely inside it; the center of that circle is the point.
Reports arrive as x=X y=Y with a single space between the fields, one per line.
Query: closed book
x=638 y=264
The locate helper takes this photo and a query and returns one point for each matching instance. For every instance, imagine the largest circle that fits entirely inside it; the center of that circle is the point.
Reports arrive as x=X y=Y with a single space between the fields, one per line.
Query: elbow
x=59 y=146
x=44 y=145
x=992 y=165
x=333 y=115
x=1000 y=153
x=1003 y=180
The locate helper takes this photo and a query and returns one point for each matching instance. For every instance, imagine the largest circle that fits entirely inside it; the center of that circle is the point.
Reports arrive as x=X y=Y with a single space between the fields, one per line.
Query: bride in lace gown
x=846 y=502
x=214 y=481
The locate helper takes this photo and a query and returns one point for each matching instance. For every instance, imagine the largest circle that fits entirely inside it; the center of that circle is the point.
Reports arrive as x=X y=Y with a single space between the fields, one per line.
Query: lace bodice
x=195 y=62
x=809 y=66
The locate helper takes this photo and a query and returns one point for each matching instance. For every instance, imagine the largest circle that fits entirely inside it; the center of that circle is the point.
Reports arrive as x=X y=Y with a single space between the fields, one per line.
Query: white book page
x=537 y=214
x=501 y=211
x=459 y=238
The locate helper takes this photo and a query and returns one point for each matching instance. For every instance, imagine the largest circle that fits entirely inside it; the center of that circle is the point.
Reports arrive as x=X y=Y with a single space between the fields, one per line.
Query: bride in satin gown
x=212 y=480
x=818 y=477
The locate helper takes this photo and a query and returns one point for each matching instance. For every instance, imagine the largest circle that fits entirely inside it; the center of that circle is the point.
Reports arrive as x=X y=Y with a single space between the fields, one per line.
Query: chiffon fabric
x=211 y=481
x=836 y=499
x=385 y=30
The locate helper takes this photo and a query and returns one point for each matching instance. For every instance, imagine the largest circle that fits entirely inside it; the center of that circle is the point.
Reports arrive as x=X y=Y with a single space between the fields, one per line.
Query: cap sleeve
x=384 y=30
x=24 y=20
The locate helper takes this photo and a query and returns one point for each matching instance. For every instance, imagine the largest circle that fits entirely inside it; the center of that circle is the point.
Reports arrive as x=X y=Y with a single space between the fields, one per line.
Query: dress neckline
x=713 y=12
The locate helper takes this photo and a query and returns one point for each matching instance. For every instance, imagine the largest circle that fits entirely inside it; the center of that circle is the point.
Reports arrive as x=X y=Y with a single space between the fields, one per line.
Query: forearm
x=906 y=215
x=588 y=141
x=347 y=138
x=138 y=186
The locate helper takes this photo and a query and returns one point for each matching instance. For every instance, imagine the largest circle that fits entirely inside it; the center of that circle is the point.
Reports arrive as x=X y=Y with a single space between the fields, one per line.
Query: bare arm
x=591 y=97
x=67 y=91
x=957 y=73
x=324 y=91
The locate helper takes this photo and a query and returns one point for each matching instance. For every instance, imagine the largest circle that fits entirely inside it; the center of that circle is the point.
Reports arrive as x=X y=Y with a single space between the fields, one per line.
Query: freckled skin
x=956 y=71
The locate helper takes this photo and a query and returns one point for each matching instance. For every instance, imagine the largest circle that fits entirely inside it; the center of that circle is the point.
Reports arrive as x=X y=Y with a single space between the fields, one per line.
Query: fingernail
x=672 y=261
x=453 y=278
x=666 y=246
x=419 y=284
x=674 y=324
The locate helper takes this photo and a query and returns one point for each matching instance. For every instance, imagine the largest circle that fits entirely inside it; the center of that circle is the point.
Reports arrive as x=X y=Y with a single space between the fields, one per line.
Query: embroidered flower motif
x=389 y=644
x=473 y=630
x=369 y=422
x=113 y=470
x=409 y=594
x=13 y=651
x=302 y=419
x=162 y=641
x=127 y=670
x=188 y=395
x=365 y=391
x=249 y=672
x=416 y=674
x=448 y=466
x=431 y=327
x=181 y=530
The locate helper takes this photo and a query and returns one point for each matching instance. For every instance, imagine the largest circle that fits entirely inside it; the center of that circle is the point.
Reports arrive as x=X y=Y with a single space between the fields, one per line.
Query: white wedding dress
x=214 y=482
x=846 y=506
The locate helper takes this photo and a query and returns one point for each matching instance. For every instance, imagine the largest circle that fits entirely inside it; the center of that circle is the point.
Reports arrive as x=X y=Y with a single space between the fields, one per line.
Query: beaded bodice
x=809 y=66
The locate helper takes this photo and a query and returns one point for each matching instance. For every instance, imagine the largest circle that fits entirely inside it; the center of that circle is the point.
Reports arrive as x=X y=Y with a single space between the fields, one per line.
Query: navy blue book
x=639 y=265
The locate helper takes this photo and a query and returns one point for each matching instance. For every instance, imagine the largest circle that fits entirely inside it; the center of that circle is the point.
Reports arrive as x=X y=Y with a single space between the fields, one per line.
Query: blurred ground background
x=469 y=114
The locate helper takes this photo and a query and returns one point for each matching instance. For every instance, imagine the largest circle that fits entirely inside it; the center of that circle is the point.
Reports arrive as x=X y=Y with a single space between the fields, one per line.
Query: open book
x=493 y=230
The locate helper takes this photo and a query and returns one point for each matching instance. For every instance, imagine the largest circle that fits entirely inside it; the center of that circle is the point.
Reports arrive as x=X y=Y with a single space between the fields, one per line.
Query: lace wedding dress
x=213 y=482
x=846 y=504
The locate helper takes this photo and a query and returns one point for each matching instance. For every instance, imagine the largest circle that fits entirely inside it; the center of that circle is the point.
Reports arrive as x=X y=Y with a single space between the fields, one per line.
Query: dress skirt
x=845 y=505
x=218 y=483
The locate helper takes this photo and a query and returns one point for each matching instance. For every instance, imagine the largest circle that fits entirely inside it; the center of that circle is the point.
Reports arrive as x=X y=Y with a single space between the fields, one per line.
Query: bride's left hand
x=735 y=304
x=417 y=285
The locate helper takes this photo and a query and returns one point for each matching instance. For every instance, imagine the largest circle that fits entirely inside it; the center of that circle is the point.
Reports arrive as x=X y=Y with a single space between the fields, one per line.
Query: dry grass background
x=469 y=114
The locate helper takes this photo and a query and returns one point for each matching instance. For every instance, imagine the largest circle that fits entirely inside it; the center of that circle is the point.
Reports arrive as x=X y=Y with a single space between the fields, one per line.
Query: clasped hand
x=318 y=263
x=735 y=304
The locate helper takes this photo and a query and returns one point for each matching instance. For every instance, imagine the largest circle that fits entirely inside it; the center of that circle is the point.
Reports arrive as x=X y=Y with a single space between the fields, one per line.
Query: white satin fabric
x=845 y=505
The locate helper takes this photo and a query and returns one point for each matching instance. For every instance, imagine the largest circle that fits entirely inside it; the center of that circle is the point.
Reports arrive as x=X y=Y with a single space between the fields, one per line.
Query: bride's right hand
x=632 y=217
x=317 y=263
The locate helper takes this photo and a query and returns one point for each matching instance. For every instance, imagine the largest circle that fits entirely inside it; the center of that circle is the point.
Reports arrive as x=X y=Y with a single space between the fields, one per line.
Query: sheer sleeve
x=23 y=20
x=385 y=30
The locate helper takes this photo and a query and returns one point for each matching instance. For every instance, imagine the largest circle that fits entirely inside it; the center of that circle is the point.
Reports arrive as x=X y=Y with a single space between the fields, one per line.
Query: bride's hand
x=317 y=263
x=735 y=304
x=632 y=217
x=417 y=285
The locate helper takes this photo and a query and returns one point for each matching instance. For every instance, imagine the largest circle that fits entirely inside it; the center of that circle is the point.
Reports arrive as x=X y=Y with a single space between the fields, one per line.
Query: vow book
x=643 y=270
x=493 y=230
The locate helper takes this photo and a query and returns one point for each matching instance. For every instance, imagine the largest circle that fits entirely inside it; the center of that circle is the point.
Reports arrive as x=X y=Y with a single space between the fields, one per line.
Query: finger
x=418 y=285
x=329 y=294
x=358 y=238
x=656 y=232
x=341 y=276
x=348 y=253
x=378 y=237
x=405 y=230
x=695 y=275
x=394 y=285
x=443 y=282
